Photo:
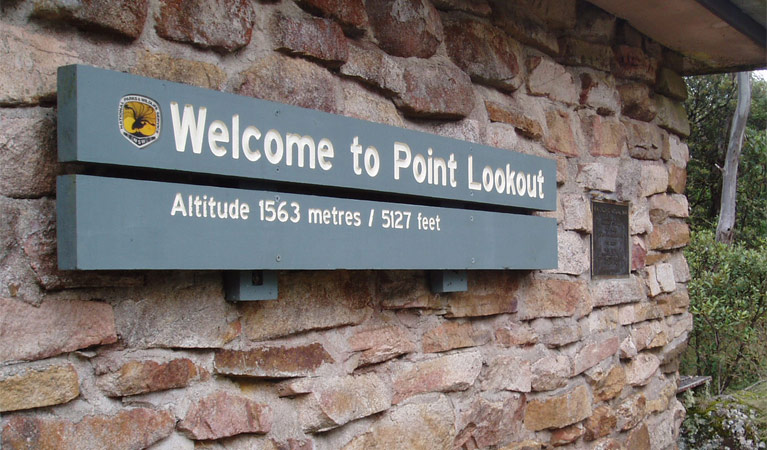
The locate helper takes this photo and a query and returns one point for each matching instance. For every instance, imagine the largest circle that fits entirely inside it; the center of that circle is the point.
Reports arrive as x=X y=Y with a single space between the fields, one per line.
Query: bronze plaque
x=610 y=251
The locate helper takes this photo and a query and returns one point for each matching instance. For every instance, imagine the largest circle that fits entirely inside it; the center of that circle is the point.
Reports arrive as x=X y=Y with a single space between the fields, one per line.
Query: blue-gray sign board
x=114 y=223
x=114 y=118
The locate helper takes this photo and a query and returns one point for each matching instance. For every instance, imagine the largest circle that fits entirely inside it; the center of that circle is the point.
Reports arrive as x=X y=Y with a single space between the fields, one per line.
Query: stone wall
x=357 y=359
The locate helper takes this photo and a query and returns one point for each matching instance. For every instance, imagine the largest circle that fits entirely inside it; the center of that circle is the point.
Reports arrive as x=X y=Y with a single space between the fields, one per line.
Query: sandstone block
x=677 y=178
x=567 y=435
x=616 y=291
x=38 y=386
x=483 y=51
x=556 y=14
x=547 y=78
x=273 y=362
x=490 y=423
x=350 y=14
x=594 y=24
x=342 y=297
x=128 y=429
x=28 y=152
x=224 y=414
x=576 y=211
x=335 y=401
x=663 y=206
x=573 y=251
x=489 y=293
x=606 y=383
x=553 y=298
x=638 y=312
x=375 y=68
x=452 y=335
x=405 y=28
x=124 y=18
x=221 y=25
x=649 y=335
x=631 y=412
x=361 y=103
x=318 y=39
x=671 y=84
x=436 y=89
x=166 y=67
x=479 y=8
x=634 y=64
x=594 y=352
x=523 y=25
x=673 y=350
x=578 y=52
x=560 y=137
x=676 y=302
x=139 y=377
x=638 y=254
x=598 y=176
x=636 y=102
x=599 y=92
x=601 y=423
x=557 y=332
x=664 y=273
x=645 y=140
x=56 y=326
x=628 y=348
x=559 y=410
x=524 y=445
x=672 y=116
x=551 y=372
x=43 y=54
x=381 y=344
x=639 y=439
x=669 y=235
x=640 y=369
x=293 y=81
x=605 y=137
x=508 y=373
x=654 y=179
x=427 y=426
x=522 y=123
x=456 y=372
x=516 y=334
x=676 y=151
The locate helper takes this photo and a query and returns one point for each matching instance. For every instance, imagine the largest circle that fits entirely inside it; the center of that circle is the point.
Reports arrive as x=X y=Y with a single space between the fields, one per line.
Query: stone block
x=508 y=373
x=664 y=273
x=677 y=178
x=335 y=401
x=43 y=54
x=361 y=103
x=576 y=212
x=522 y=123
x=293 y=81
x=676 y=302
x=594 y=24
x=640 y=369
x=663 y=206
x=594 y=352
x=553 y=298
x=559 y=15
x=28 y=152
x=221 y=25
x=56 y=326
x=316 y=39
x=638 y=254
x=579 y=52
x=455 y=372
x=654 y=179
x=273 y=361
x=599 y=176
x=558 y=411
x=435 y=89
x=124 y=18
x=490 y=423
x=671 y=84
x=406 y=28
x=676 y=151
x=669 y=235
x=649 y=335
x=604 y=137
x=34 y=387
x=631 y=412
x=634 y=64
x=224 y=414
x=606 y=382
x=601 y=423
x=452 y=335
x=483 y=51
x=598 y=91
x=645 y=140
x=557 y=332
x=552 y=80
x=639 y=221
x=489 y=293
x=617 y=291
x=573 y=254
x=350 y=14
x=672 y=116
x=639 y=439
x=128 y=429
x=381 y=344
x=566 y=435
x=166 y=67
x=427 y=426
x=479 y=8
x=523 y=25
x=515 y=334
x=551 y=371
x=310 y=301
x=638 y=312
x=560 y=137
x=637 y=102
x=142 y=376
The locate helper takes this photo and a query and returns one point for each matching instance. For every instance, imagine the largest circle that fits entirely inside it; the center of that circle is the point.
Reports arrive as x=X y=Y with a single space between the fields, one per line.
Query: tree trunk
x=726 y=227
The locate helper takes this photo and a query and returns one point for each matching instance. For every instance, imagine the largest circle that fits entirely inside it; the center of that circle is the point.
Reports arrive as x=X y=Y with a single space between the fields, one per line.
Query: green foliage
x=710 y=106
x=728 y=299
x=723 y=422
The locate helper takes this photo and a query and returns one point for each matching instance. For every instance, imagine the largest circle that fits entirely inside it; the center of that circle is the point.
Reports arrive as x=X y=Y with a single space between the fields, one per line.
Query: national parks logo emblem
x=139 y=119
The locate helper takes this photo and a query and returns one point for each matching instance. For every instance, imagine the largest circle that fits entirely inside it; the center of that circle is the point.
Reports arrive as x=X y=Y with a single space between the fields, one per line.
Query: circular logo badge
x=139 y=119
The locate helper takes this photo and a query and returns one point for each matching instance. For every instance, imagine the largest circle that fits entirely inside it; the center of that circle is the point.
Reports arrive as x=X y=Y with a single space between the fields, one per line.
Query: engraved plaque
x=610 y=251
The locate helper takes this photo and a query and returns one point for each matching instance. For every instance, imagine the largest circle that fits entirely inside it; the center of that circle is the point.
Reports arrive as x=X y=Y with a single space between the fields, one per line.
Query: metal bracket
x=448 y=281
x=250 y=285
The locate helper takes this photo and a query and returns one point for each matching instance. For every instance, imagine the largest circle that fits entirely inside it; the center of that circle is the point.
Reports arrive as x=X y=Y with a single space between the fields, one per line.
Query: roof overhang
x=711 y=35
